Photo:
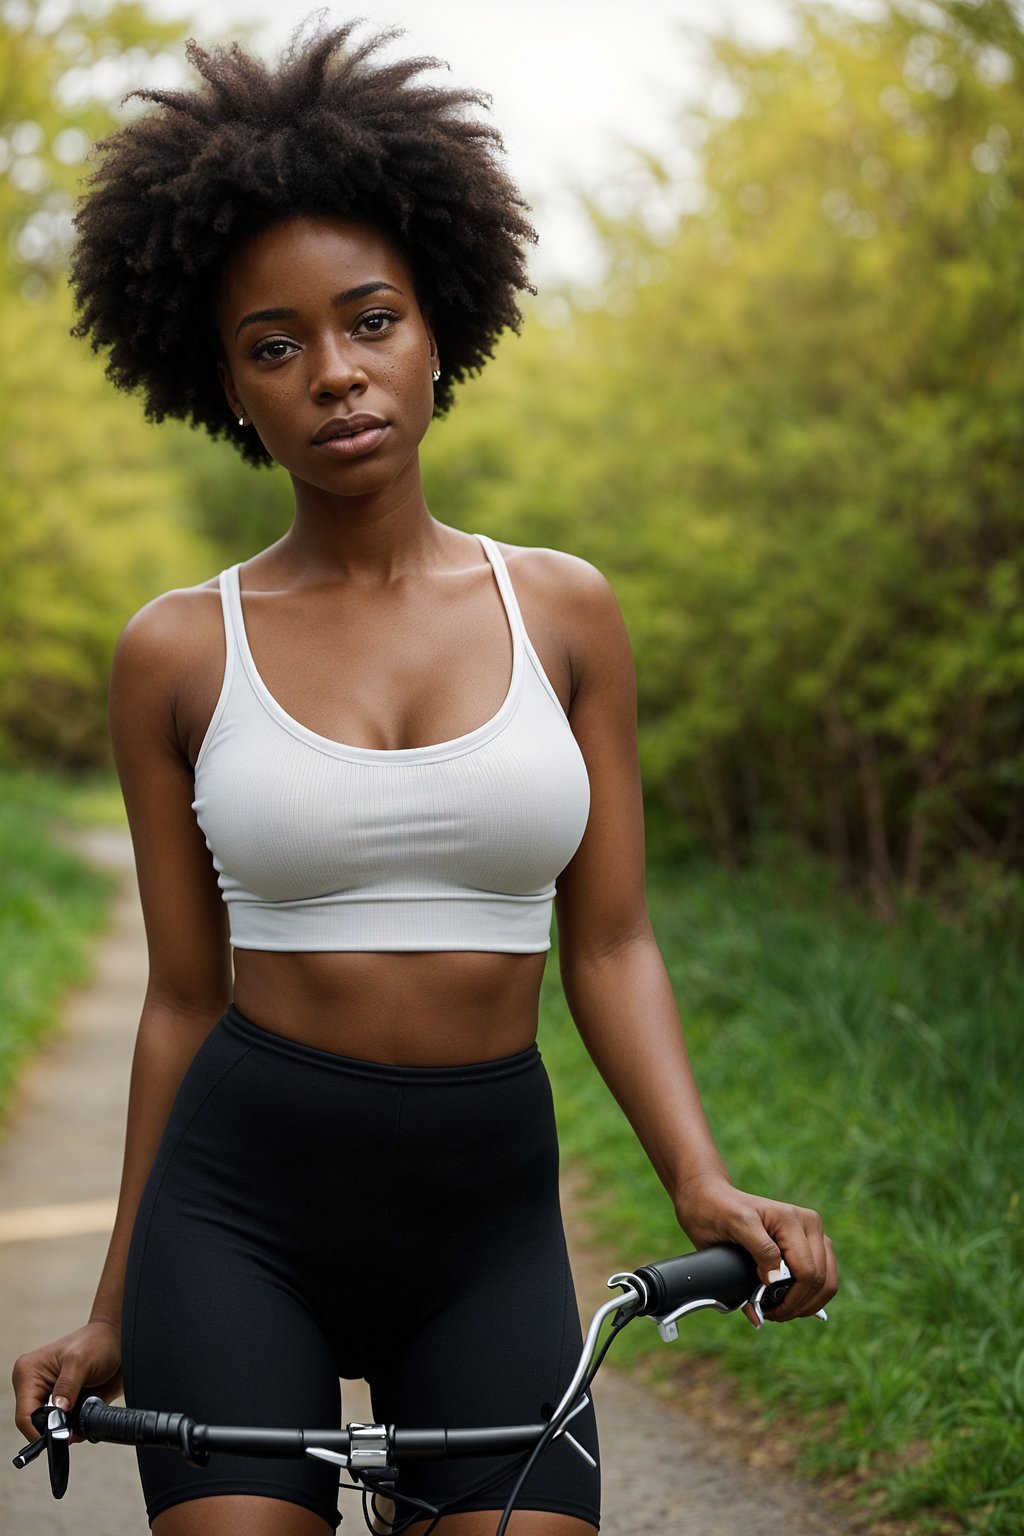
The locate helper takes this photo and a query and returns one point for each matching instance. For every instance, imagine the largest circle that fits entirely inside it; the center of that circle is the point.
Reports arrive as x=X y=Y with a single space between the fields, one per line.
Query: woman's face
x=327 y=353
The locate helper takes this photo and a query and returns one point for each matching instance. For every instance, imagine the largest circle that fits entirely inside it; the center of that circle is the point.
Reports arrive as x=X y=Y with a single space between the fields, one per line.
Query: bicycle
x=722 y=1278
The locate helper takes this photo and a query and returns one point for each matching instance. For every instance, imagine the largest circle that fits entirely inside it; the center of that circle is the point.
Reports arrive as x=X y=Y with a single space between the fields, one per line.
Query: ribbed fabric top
x=323 y=846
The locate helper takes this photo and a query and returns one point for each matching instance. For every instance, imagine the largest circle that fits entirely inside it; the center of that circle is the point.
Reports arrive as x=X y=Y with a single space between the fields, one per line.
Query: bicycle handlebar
x=99 y=1422
x=723 y=1276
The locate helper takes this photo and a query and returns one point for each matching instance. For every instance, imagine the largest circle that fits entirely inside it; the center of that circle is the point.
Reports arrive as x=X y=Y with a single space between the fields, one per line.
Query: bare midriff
x=439 y=1009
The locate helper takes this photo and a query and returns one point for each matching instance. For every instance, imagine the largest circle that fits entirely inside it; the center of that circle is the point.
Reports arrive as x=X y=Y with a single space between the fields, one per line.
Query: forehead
x=307 y=260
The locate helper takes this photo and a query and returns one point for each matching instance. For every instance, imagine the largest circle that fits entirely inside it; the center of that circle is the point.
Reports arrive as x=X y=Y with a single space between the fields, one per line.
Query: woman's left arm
x=617 y=987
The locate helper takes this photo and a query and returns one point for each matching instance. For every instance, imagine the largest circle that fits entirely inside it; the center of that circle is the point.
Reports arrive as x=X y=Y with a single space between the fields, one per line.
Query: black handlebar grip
x=97 y=1421
x=724 y=1272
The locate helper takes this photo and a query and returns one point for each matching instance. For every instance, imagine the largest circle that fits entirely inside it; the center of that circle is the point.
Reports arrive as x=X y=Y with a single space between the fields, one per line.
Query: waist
x=254 y=1035
x=426 y=1009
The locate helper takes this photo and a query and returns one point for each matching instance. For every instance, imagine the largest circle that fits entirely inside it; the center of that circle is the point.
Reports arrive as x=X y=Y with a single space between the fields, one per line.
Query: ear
x=435 y=361
x=228 y=386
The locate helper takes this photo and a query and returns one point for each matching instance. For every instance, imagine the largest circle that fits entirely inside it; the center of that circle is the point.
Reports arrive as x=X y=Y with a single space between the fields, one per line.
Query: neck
x=372 y=540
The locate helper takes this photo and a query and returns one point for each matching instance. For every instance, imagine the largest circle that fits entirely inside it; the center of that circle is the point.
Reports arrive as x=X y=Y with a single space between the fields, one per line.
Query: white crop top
x=323 y=846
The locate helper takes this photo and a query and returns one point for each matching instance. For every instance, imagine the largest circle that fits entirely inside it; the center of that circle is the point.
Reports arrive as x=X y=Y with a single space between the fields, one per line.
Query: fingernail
x=62 y=1403
x=775 y=1274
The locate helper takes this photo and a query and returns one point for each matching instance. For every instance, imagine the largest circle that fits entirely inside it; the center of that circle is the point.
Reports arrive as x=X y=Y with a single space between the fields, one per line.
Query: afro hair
x=331 y=131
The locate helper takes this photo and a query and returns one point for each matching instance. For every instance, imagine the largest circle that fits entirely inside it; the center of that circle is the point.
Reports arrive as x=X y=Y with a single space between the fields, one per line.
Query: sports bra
x=323 y=846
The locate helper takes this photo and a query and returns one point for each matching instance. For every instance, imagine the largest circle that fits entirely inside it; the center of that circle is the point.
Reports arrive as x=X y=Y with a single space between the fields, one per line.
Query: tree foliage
x=788 y=426
x=95 y=512
x=792 y=436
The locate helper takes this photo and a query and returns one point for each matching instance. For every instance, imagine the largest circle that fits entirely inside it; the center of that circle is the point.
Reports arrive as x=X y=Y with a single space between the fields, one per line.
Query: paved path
x=59 y=1169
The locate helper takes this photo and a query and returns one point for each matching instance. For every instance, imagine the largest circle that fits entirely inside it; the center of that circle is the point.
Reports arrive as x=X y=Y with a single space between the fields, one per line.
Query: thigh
x=266 y=1364
x=492 y=1331
x=227 y=1516
x=215 y=1323
x=492 y=1357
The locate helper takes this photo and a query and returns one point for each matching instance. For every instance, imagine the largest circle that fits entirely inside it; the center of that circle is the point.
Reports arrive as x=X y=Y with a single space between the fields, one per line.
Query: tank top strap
x=505 y=587
x=231 y=607
x=515 y=616
x=231 y=653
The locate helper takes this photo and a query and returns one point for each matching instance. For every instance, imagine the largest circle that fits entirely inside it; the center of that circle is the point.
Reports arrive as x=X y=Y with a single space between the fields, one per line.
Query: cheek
x=408 y=380
x=273 y=406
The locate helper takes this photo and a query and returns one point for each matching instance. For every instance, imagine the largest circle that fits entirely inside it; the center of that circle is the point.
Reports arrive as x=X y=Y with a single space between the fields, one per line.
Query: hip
x=260 y=1112
x=307 y=1161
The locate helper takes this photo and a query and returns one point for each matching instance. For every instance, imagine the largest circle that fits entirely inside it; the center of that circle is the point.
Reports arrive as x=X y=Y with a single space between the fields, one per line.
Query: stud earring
x=241 y=421
x=436 y=375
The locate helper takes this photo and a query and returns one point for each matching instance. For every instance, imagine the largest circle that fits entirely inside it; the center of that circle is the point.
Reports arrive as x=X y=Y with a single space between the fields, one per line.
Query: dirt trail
x=59 y=1169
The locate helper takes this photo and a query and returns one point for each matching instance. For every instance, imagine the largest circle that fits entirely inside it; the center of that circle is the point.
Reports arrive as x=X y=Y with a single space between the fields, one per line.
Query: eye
x=272 y=349
x=377 y=322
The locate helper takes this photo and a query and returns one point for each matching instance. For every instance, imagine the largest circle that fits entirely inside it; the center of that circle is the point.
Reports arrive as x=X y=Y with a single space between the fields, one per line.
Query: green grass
x=874 y=1073
x=52 y=903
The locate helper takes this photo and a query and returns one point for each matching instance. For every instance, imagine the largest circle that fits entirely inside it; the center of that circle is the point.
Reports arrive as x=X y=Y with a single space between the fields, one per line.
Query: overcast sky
x=572 y=80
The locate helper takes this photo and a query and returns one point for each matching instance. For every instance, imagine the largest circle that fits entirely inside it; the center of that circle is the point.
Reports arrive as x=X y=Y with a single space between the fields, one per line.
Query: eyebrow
x=361 y=291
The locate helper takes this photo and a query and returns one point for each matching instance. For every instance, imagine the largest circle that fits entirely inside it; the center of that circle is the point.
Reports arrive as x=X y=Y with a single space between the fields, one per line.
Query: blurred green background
x=788 y=424
x=789 y=429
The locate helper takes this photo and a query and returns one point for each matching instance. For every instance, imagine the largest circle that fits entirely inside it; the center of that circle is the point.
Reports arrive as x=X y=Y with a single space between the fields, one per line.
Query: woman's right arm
x=156 y=688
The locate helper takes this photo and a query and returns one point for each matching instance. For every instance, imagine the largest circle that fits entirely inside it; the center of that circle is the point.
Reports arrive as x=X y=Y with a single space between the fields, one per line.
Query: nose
x=336 y=369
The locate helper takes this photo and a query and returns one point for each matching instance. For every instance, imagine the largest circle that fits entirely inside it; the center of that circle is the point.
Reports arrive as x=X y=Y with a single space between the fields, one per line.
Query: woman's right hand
x=88 y=1358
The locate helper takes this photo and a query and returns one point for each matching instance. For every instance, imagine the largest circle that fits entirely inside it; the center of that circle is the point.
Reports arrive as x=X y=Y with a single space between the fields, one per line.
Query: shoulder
x=166 y=669
x=569 y=601
x=170 y=627
x=574 y=597
x=565 y=581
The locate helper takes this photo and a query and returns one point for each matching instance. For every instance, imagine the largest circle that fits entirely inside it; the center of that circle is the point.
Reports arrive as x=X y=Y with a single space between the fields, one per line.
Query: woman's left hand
x=711 y=1210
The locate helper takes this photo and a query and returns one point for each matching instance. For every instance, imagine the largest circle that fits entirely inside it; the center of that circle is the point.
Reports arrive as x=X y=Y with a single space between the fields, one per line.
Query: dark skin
x=374 y=624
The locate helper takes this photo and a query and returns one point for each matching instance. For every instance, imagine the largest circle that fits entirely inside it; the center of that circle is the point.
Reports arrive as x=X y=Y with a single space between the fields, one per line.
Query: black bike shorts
x=309 y=1217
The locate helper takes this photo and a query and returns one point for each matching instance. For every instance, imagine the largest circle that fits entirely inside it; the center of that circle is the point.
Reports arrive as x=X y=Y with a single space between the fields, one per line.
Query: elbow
x=170 y=1006
x=602 y=958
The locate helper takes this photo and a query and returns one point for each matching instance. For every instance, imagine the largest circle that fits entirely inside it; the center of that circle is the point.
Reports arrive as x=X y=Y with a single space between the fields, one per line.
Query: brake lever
x=767 y=1297
x=40 y=1420
x=30 y=1452
x=669 y=1321
x=55 y=1440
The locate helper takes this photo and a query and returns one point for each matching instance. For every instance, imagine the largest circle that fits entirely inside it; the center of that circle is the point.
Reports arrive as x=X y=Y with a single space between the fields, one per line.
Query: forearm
x=167 y=1041
x=624 y=1009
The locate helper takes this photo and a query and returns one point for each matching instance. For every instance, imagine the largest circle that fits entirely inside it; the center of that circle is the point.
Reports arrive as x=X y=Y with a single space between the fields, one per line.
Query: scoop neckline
x=453 y=747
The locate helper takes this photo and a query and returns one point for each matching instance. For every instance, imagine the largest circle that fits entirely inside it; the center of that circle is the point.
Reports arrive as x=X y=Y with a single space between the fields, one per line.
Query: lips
x=348 y=426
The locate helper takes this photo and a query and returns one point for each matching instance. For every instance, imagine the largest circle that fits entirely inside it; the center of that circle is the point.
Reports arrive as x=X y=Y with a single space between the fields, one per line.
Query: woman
x=361 y=758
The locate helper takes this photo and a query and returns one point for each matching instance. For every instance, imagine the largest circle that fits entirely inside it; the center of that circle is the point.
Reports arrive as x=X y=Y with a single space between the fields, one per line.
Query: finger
x=73 y=1370
x=751 y=1315
x=31 y=1390
x=763 y=1248
x=755 y=1237
x=803 y=1241
x=818 y=1287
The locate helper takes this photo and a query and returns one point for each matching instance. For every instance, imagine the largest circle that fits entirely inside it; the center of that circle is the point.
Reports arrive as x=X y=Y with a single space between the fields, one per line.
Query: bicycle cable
x=556 y=1423
x=472 y=1491
x=440 y=1510
x=375 y=1520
